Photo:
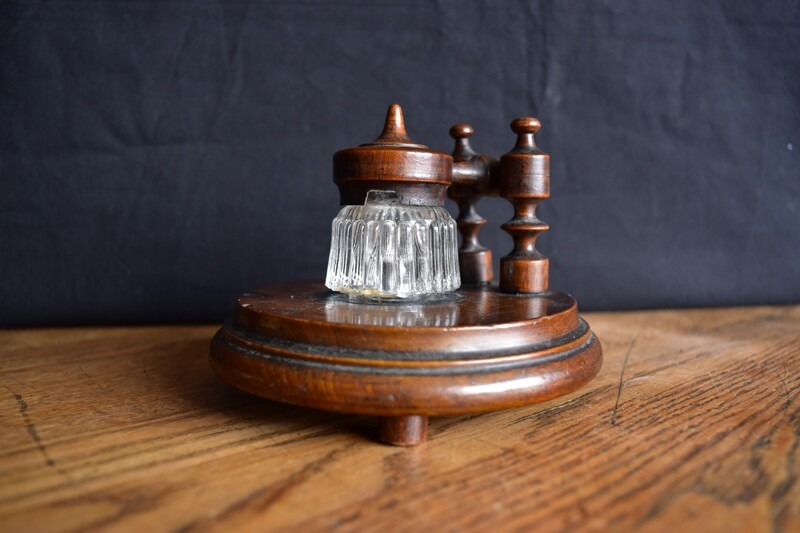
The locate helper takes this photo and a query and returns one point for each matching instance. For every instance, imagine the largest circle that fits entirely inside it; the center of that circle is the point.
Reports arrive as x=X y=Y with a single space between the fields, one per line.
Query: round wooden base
x=470 y=351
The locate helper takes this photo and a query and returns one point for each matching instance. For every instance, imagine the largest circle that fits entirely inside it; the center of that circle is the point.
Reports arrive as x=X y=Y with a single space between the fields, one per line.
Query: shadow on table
x=178 y=374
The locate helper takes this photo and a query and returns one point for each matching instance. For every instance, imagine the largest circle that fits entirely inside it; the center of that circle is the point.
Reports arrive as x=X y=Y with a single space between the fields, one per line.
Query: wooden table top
x=693 y=424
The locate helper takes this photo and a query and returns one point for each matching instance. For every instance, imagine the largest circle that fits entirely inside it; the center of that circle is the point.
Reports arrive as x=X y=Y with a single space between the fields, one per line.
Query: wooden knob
x=461 y=133
x=525 y=125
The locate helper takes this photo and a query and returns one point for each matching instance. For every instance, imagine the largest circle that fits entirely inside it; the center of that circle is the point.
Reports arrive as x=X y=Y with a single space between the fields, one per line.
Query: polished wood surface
x=465 y=352
x=693 y=424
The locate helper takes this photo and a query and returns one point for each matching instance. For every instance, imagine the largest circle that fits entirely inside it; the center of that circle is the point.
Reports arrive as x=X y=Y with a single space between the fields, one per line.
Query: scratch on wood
x=621 y=382
x=783 y=383
x=550 y=412
x=85 y=373
x=144 y=369
x=31 y=428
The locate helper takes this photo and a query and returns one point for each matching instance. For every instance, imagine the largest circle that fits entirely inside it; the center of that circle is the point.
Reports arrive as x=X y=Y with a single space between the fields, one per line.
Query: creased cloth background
x=158 y=158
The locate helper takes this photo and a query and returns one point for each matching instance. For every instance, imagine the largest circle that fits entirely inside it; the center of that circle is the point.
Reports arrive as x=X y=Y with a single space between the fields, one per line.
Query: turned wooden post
x=471 y=179
x=524 y=181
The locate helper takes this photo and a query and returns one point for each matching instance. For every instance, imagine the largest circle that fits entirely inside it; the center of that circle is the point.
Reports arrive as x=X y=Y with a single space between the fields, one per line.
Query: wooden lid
x=419 y=175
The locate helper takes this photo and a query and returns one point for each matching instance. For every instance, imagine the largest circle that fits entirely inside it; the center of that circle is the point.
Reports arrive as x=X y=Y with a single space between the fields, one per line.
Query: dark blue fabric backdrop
x=158 y=158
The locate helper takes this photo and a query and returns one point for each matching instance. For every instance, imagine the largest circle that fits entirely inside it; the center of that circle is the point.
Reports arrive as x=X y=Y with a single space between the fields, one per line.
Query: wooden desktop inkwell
x=478 y=348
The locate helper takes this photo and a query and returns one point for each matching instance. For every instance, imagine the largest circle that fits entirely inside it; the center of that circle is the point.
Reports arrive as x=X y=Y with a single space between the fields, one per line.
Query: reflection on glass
x=362 y=311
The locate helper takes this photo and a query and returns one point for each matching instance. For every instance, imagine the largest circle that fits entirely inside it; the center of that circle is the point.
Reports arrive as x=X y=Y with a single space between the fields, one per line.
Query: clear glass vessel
x=387 y=249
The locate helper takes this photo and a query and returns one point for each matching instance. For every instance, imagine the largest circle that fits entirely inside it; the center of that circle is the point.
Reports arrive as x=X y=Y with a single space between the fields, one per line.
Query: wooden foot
x=403 y=430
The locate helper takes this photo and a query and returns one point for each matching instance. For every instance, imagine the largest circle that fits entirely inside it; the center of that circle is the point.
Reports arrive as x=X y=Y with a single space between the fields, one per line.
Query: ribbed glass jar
x=389 y=250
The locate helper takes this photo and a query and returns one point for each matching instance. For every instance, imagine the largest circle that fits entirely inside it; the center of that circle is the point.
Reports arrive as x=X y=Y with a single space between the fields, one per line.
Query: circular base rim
x=339 y=379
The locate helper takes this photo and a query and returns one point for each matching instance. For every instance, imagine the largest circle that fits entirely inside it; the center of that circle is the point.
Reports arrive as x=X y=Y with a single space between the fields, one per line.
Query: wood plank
x=693 y=424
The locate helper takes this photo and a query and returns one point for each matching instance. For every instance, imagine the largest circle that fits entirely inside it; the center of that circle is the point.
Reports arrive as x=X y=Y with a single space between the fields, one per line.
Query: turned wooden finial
x=394 y=129
x=525 y=127
x=474 y=259
x=524 y=181
x=461 y=133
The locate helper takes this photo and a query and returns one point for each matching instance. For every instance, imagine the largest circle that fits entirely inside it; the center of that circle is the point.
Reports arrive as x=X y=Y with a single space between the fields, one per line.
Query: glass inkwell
x=407 y=325
x=385 y=249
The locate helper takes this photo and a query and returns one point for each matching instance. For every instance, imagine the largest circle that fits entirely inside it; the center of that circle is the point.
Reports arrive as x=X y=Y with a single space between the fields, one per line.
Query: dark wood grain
x=692 y=425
